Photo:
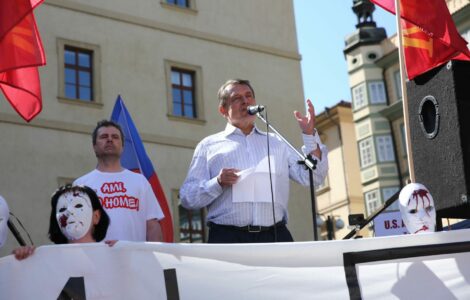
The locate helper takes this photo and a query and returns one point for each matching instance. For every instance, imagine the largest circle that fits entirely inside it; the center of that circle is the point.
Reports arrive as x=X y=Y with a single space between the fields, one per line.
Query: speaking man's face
x=236 y=108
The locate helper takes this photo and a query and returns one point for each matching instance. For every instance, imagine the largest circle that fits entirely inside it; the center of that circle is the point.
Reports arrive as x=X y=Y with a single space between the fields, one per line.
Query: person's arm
x=154 y=231
x=199 y=189
x=313 y=146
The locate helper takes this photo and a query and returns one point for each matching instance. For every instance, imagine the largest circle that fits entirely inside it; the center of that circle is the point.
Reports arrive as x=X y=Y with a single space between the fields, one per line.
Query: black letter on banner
x=74 y=289
x=171 y=284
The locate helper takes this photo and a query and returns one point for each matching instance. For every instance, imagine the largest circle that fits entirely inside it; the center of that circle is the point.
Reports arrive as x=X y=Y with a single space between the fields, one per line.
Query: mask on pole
x=417 y=208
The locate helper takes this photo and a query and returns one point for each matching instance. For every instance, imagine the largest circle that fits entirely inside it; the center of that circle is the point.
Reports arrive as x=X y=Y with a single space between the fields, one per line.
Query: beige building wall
x=341 y=195
x=135 y=43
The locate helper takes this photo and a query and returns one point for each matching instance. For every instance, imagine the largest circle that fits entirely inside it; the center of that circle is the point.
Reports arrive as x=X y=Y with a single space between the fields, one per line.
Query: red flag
x=430 y=37
x=21 y=53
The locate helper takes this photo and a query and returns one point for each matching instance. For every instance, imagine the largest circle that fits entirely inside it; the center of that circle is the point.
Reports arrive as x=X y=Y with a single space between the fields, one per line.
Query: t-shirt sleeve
x=154 y=211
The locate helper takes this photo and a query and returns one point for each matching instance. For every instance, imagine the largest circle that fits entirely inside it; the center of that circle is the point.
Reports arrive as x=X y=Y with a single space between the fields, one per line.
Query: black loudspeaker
x=439 y=112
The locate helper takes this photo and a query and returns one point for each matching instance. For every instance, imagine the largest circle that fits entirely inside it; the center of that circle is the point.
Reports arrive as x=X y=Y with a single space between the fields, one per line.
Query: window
x=366 y=151
x=78 y=73
x=377 y=92
x=398 y=84
x=181 y=3
x=359 y=96
x=184 y=92
x=389 y=192
x=182 y=87
x=372 y=201
x=192 y=226
x=385 y=148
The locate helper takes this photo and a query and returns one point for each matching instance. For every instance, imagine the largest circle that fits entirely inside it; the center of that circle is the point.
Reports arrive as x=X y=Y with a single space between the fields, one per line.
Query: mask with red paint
x=4 y=215
x=417 y=208
x=74 y=214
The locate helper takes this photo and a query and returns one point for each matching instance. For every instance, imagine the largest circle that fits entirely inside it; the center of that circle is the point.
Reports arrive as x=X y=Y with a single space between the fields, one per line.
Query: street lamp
x=332 y=223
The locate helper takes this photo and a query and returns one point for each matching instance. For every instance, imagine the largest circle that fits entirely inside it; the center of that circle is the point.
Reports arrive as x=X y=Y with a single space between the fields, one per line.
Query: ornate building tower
x=378 y=165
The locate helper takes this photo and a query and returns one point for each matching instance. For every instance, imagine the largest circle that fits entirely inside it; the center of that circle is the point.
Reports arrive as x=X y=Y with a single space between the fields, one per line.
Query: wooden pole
x=406 y=115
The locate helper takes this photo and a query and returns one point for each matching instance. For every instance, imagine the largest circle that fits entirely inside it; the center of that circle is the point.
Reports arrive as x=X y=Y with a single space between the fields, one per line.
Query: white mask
x=417 y=208
x=74 y=214
x=4 y=215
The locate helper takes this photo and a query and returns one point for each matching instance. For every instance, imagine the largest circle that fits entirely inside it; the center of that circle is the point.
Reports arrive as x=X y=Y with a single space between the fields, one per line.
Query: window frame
x=191 y=231
x=191 y=8
x=198 y=92
x=377 y=200
x=182 y=88
x=371 y=148
x=96 y=101
x=364 y=99
x=380 y=88
x=384 y=156
x=76 y=68
x=187 y=5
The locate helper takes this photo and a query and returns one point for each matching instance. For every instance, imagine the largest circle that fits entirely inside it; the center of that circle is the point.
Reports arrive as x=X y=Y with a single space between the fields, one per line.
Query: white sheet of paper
x=253 y=185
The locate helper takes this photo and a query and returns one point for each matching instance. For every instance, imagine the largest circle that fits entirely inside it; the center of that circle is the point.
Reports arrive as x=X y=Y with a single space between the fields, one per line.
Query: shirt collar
x=230 y=129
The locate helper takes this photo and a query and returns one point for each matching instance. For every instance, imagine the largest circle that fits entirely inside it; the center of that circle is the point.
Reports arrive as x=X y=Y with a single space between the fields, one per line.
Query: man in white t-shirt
x=126 y=196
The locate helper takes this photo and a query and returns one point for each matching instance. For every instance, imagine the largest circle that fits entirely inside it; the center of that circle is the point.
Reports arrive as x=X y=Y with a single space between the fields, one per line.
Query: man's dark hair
x=55 y=235
x=223 y=93
x=106 y=123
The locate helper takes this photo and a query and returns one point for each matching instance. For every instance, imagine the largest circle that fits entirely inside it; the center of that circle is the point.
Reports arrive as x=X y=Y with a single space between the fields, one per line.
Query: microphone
x=254 y=109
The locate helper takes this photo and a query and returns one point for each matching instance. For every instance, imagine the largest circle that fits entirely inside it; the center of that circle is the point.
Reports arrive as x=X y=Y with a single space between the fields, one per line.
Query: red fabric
x=430 y=37
x=21 y=53
x=167 y=223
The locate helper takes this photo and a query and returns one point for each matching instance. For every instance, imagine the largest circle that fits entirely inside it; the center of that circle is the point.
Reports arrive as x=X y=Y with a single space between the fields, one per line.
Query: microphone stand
x=309 y=162
x=16 y=233
x=363 y=224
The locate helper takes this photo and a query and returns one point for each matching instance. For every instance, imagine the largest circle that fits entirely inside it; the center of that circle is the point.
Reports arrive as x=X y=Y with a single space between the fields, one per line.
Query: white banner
x=426 y=266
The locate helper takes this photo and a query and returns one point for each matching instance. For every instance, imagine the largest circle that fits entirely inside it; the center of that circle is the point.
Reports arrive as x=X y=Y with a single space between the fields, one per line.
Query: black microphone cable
x=270 y=177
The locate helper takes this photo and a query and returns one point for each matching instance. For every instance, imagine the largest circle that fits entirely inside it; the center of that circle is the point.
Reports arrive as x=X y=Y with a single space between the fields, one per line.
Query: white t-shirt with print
x=129 y=201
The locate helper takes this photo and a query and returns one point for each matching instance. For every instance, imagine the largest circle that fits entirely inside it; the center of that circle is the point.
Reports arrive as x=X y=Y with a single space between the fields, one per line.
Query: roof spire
x=363 y=10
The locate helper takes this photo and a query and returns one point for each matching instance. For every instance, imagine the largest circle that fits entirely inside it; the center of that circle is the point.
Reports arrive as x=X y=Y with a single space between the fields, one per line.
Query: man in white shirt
x=126 y=196
x=219 y=158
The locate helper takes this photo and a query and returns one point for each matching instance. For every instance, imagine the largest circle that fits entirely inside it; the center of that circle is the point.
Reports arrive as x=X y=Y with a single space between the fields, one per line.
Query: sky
x=321 y=29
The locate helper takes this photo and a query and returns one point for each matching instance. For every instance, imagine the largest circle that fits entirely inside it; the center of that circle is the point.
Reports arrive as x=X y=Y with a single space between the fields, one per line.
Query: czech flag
x=135 y=159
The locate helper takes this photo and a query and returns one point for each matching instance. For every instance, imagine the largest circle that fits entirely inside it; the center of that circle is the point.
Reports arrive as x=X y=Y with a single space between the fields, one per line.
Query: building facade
x=374 y=79
x=341 y=194
x=167 y=60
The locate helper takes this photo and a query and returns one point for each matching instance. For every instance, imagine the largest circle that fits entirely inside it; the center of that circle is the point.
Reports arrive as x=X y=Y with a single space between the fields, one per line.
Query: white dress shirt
x=231 y=148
